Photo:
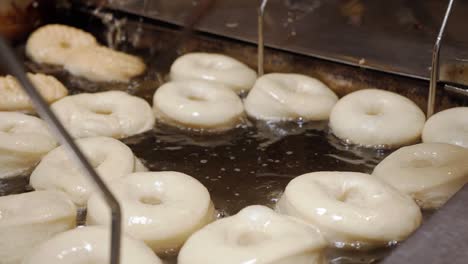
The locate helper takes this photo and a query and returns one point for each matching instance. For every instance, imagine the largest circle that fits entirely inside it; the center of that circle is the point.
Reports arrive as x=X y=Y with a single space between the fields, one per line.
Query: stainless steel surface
x=392 y=36
x=12 y=66
x=260 y=41
x=435 y=63
x=442 y=239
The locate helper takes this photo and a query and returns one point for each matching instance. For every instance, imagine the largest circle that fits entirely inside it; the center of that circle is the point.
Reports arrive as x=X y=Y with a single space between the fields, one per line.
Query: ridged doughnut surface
x=377 y=118
x=255 y=235
x=102 y=64
x=285 y=97
x=24 y=140
x=113 y=114
x=198 y=104
x=161 y=208
x=351 y=209
x=429 y=172
x=53 y=44
x=448 y=126
x=27 y=219
x=214 y=67
x=88 y=245
x=13 y=98
x=111 y=158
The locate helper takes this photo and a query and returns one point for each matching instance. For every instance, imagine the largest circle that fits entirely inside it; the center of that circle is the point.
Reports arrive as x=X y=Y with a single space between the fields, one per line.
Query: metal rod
x=11 y=64
x=456 y=90
x=260 y=42
x=435 y=63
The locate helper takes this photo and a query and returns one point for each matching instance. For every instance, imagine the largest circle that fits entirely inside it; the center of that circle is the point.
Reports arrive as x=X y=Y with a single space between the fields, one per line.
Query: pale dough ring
x=352 y=210
x=102 y=64
x=377 y=118
x=57 y=171
x=198 y=105
x=255 y=235
x=112 y=114
x=86 y=245
x=28 y=219
x=24 y=140
x=448 y=126
x=286 y=97
x=53 y=44
x=13 y=98
x=429 y=172
x=214 y=67
x=161 y=208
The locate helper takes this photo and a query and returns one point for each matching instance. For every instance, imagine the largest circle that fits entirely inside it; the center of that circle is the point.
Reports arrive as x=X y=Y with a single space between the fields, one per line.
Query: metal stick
x=435 y=63
x=11 y=64
x=261 y=44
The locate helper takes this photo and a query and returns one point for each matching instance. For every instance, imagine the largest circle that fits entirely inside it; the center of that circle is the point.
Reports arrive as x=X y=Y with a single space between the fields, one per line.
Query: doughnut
x=255 y=235
x=352 y=210
x=213 y=67
x=27 y=219
x=199 y=105
x=448 y=126
x=111 y=158
x=113 y=114
x=86 y=245
x=286 y=96
x=13 y=98
x=429 y=172
x=377 y=118
x=101 y=64
x=161 y=208
x=24 y=140
x=53 y=44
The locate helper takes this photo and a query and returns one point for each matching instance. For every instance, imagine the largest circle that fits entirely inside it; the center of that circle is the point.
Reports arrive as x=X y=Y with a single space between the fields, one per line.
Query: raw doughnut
x=449 y=126
x=13 y=98
x=351 y=209
x=161 y=208
x=111 y=158
x=377 y=118
x=430 y=172
x=53 y=44
x=101 y=64
x=213 y=67
x=24 y=140
x=113 y=114
x=86 y=245
x=282 y=96
x=27 y=219
x=198 y=105
x=255 y=235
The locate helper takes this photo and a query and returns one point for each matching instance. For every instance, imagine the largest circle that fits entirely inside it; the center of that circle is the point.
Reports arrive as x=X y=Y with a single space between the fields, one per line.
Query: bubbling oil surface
x=249 y=165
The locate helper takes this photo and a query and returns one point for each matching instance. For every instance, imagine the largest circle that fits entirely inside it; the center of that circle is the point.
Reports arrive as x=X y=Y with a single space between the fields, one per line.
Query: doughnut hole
x=251 y=238
x=150 y=200
x=374 y=110
x=64 y=45
x=10 y=128
x=101 y=110
x=345 y=194
x=422 y=160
